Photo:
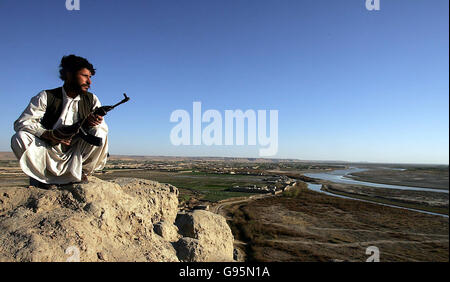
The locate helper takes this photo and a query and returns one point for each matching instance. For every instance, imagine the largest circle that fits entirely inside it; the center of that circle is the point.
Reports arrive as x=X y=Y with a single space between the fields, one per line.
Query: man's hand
x=94 y=120
x=66 y=142
x=49 y=137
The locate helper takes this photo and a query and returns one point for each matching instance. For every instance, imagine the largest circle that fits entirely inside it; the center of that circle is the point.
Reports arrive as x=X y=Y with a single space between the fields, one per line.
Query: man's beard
x=77 y=88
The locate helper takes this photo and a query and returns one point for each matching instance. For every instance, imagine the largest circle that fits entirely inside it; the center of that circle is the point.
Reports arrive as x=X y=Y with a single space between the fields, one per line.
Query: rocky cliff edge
x=126 y=219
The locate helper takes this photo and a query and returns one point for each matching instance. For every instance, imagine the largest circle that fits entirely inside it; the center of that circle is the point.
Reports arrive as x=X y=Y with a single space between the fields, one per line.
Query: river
x=338 y=176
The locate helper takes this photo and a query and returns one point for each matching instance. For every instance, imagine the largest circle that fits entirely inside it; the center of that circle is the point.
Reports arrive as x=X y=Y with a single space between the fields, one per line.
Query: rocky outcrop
x=126 y=219
x=208 y=237
x=167 y=230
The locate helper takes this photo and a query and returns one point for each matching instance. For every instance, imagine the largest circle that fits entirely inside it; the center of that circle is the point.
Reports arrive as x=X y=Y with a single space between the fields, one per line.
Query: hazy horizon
x=266 y=158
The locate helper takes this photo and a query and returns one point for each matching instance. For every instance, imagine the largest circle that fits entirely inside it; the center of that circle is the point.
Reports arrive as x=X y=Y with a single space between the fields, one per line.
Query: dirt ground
x=424 y=177
x=309 y=226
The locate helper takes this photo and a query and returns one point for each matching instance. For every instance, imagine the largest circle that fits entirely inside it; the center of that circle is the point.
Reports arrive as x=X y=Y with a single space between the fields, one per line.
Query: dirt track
x=219 y=207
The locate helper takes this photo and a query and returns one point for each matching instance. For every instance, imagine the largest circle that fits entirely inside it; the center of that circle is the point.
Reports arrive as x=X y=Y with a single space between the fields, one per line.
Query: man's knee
x=20 y=142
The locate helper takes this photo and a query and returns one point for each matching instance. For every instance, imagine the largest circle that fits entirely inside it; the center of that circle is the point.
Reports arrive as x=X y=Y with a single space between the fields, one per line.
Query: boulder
x=190 y=249
x=167 y=230
x=211 y=231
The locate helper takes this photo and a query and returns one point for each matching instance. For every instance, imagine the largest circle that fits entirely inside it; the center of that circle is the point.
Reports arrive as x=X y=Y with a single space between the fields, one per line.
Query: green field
x=205 y=186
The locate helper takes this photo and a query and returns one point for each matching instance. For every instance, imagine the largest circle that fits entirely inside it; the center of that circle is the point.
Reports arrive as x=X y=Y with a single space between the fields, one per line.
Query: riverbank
x=419 y=200
x=311 y=226
x=436 y=178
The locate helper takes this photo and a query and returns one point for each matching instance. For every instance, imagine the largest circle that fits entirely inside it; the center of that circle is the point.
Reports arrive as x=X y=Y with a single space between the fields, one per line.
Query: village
x=275 y=185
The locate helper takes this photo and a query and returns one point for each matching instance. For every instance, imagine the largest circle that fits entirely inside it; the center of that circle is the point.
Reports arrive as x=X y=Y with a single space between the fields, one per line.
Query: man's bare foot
x=84 y=178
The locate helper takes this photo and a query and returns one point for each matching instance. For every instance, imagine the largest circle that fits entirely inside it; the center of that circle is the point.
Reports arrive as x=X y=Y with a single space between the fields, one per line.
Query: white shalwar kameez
x=57 y=164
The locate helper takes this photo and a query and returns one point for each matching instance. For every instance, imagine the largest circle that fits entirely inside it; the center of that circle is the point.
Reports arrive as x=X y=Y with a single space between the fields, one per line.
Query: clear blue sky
x=349 y=84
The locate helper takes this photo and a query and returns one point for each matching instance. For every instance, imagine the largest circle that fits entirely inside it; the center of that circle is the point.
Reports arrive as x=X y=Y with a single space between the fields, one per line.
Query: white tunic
x=56 y=165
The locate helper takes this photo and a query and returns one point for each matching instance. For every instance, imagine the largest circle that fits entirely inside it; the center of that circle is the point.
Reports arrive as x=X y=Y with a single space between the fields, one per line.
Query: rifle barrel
x=121 y=102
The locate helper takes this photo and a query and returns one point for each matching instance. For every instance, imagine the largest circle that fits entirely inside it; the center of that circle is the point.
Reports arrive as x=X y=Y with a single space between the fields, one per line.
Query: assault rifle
x=79 y=129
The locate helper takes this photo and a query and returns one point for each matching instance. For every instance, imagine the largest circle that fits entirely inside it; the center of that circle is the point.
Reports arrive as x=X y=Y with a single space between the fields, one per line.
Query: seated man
x=45 y=159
